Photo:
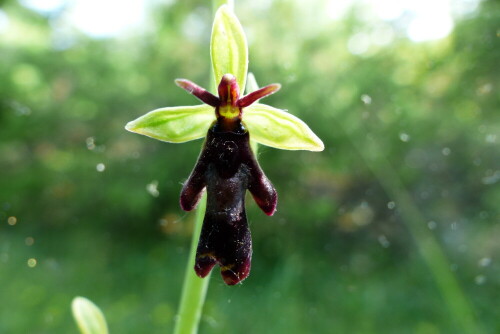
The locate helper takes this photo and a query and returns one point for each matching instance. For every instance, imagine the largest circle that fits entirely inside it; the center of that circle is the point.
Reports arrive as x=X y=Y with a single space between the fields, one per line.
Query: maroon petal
x=227 y=167
x=262 y=190
x=193 y=187
x=204 y=265
x=248 y=99
x=236 y=273
x=228 y=89
x=264 y=195
x=202 y=94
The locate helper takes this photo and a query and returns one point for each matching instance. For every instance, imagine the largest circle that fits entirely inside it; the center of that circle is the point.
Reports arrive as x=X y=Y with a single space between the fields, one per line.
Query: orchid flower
x=227 y=167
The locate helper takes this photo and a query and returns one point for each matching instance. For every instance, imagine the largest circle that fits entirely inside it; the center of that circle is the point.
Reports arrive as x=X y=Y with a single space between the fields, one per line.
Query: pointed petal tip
x=234 y=275
x=277 y=86
x=199 y=92
x=319 y=147
x=186 y=205
x=279 y=129
x=134 y=127
x=204 y=266
x=181 y=81
x=230 y=278
x=224 y=8
x=184 y=84
x=271 y=212
x=228 y=77
x=130 y=126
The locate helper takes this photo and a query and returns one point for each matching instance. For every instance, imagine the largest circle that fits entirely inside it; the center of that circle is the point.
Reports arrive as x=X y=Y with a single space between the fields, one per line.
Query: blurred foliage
x=80 y=214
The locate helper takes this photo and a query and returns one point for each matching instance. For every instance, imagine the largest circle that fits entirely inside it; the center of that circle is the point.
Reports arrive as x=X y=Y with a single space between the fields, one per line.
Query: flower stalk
x=194 y=288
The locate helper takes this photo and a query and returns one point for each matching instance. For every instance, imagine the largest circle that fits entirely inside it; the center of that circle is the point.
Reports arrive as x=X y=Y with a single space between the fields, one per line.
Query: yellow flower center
x=229 y=111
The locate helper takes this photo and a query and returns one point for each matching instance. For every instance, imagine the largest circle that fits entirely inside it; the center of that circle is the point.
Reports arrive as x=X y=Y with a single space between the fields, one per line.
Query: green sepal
x=228 y=47
x=277 y=128
x=174 y=124
x=88 y=316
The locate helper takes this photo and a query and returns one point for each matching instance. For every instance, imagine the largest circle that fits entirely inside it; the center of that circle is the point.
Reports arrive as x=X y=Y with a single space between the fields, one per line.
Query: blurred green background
x=392 y=229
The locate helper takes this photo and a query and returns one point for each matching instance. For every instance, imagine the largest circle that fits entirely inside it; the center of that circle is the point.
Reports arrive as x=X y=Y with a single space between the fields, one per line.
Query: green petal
x=174 y=124
x=228 y=47
x=88 y=317
x=277 y=128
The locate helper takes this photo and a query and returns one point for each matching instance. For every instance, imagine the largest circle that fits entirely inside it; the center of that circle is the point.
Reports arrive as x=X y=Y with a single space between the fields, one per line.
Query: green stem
x=194 y=289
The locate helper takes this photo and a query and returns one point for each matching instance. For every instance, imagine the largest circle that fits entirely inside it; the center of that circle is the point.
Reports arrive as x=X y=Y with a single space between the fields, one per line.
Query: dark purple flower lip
x=227 y=168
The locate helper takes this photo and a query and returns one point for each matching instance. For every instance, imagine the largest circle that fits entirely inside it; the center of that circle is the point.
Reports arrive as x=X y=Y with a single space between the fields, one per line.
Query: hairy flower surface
x=227 y=167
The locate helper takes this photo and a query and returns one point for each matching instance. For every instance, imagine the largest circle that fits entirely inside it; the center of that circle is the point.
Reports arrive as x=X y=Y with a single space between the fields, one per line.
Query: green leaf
x=174 y=124
x=277 y=128
x=88 y=316
x=228 y=47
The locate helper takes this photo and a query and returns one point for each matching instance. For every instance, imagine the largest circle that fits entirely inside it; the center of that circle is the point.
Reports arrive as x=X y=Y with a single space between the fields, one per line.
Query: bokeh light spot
x=12 y=221
x=32 y=263
x=100 y=167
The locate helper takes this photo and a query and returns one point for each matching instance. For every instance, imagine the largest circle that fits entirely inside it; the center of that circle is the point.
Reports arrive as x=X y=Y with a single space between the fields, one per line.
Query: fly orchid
x=227 y=166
